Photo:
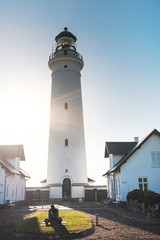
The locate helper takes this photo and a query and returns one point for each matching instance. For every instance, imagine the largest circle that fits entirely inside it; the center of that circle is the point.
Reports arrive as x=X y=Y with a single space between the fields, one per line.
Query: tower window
x=65 y=66
x=66 y=142
x=66 y=170
x=66 y=106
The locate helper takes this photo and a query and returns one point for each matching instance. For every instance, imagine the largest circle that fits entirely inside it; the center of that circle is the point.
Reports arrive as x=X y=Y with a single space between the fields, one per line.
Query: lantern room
x=65 y=40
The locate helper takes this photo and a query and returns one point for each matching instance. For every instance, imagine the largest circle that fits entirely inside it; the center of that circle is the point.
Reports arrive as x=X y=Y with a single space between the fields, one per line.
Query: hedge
x=148 y=197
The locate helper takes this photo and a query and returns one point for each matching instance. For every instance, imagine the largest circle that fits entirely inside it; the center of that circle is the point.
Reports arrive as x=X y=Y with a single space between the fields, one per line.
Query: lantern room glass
x=66 y=43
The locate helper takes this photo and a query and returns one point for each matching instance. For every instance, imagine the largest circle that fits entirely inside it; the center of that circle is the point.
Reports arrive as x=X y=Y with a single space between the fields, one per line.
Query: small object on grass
x=63 y=222
x=46 y=221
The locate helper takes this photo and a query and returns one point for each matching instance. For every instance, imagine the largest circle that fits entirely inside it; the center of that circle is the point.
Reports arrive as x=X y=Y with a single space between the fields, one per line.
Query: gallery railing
x=65 y=53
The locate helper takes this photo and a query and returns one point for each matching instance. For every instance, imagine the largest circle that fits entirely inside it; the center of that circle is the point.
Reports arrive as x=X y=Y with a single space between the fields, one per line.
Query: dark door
x=66 y=188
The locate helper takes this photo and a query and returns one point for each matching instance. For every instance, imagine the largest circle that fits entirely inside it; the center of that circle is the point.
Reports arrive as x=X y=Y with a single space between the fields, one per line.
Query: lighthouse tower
x=67 y=171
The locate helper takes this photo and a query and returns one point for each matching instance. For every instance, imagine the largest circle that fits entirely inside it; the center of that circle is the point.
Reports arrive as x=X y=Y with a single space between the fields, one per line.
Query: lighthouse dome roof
x=65 y=33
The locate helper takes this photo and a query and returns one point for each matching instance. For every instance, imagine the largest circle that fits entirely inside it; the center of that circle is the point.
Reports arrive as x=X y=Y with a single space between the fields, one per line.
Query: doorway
x=66 y=188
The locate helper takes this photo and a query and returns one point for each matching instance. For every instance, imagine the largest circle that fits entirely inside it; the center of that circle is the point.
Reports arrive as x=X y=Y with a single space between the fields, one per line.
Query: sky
x=119 y=41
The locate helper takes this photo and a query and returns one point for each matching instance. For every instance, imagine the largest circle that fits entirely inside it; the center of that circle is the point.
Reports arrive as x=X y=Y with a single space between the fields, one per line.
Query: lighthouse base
x=55 y=192
x=60 y=193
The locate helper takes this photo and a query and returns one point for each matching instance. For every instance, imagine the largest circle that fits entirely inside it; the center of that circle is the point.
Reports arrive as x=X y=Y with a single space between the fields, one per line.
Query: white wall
x=12 y=185
x=2 y=184
x=111 y=186
x=15 y=162
x=140 y=165
x=12 y=161
x=116 y=159
x=113 y=159
x=78 y=192
x=118 y=190
x=55 y=192
x=110 y=161
x=15 y=188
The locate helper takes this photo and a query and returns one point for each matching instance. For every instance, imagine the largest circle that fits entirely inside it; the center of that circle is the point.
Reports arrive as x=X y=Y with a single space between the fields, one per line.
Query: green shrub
x=148 y=197
x=136 y=194
x=156 y=197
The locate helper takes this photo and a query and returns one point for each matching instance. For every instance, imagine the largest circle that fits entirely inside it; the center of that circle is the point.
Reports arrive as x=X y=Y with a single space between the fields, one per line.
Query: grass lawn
x=75 y=222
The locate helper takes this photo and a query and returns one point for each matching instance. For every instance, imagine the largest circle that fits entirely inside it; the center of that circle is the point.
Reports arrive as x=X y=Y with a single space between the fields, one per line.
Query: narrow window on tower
x=66 y=106
x=66 y=142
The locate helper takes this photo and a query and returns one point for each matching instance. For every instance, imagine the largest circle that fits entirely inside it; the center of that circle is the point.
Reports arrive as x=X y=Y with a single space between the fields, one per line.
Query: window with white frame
x=155 y=159
x=143 y=183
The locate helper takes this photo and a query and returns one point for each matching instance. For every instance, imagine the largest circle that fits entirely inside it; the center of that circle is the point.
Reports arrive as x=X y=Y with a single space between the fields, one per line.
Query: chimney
x=136 y=139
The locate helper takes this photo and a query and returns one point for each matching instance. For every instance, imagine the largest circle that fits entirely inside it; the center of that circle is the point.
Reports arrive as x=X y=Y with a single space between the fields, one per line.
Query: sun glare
x=17 y=118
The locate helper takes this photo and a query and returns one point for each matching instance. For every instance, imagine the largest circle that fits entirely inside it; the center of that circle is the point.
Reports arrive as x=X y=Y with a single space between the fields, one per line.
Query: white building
x=67 y=171
x=12 y=176
x=133 y=165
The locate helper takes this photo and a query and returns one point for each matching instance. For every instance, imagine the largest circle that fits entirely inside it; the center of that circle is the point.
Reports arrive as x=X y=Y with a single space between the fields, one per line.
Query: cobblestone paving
x=110 y=226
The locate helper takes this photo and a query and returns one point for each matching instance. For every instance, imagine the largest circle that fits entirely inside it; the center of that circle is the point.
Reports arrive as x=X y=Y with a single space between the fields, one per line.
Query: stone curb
x=25 y=236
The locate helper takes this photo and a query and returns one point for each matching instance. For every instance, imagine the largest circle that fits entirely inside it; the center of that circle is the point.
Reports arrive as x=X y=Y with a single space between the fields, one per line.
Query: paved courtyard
x=114 y=223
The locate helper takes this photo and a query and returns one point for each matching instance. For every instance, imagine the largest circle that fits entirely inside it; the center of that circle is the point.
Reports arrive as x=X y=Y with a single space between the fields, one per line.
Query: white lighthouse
x=67 y=170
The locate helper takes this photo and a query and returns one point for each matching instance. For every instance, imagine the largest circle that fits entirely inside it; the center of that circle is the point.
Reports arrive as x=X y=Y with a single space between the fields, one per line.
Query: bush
x=136 y=194
x=148 y=197
x=156 y=198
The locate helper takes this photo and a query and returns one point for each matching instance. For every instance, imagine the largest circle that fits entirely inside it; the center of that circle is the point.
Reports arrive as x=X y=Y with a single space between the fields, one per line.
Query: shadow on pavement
x=10 y=218
x=105 y=213
x=108 y=220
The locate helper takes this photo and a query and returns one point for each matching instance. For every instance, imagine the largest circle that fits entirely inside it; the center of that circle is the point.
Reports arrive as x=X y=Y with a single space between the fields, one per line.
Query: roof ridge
x=4 y=162
x=23 y=172
x=130 y=153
